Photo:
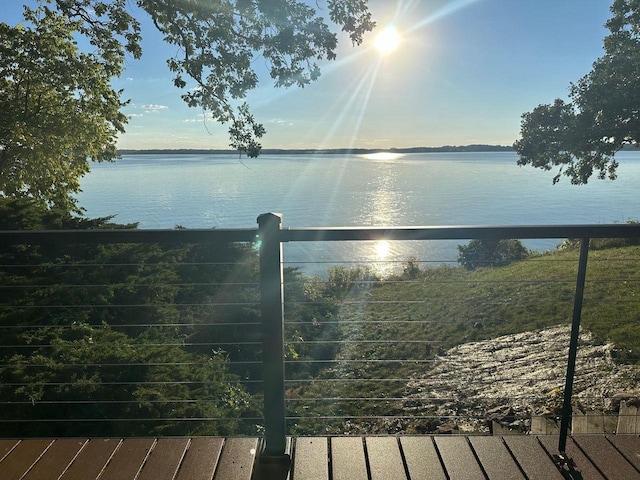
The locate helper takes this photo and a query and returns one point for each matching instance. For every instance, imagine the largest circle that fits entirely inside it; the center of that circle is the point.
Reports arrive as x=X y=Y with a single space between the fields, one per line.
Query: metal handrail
x=464 y=232
x=53 y=237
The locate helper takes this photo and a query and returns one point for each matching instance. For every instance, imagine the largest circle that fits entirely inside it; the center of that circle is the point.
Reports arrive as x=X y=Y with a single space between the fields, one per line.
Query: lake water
x=203 y=191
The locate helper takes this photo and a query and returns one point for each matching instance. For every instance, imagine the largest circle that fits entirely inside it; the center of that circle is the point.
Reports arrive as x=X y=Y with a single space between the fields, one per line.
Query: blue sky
x=463 y=73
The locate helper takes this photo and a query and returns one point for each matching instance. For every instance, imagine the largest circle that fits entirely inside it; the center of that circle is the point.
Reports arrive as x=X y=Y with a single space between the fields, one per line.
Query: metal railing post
x=272 y=308
x=573 y=345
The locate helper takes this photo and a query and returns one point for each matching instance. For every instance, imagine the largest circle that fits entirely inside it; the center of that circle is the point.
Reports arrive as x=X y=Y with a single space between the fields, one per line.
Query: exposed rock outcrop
x=522 y=373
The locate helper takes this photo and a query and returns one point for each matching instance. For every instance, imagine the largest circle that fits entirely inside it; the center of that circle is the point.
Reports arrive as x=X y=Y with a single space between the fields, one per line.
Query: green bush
x=491 y=253
x=411 y=269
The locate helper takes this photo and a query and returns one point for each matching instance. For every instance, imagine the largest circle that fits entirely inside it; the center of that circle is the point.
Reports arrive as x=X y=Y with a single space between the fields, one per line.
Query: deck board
x=411 y=457
x=164 y=459
x=422 y=459
x=582 y=463
x=22 y=458
x=604 y=455
x=310 y=461
x=495 y=458
x=348 y=461
x=128 y=459
x=56 y=459
x=385 y=459
x=532 y=458
x=629 y=446
x=201 y=458
x=237 y=459
x=6 y=446
x=459 y=461
x=91 y=459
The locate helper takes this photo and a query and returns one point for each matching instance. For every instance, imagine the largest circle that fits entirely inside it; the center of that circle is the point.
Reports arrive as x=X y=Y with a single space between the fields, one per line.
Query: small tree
x=491 y=253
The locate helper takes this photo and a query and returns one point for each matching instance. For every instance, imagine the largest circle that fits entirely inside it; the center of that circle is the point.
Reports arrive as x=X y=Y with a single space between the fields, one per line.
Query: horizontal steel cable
x=134 y=419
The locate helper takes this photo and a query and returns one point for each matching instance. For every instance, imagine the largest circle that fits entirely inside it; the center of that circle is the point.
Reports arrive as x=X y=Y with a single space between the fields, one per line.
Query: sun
x=387 y=40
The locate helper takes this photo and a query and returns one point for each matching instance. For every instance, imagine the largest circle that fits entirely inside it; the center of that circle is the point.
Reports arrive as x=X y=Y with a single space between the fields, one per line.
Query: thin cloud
x=152 y=107
x=207 y=116
x=279 y=121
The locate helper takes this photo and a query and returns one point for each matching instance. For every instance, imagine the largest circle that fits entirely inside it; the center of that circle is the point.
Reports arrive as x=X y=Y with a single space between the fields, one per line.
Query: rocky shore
x=511 y=378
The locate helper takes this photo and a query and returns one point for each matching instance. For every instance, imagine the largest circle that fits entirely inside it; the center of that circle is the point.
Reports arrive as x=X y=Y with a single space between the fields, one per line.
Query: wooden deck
x=613 y=457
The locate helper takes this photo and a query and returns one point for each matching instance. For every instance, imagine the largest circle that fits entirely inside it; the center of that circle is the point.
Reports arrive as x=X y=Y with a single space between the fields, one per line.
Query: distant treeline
x=337 y=151
x=329 y=151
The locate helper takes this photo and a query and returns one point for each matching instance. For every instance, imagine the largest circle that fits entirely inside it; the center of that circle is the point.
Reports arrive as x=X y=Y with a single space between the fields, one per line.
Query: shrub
x=411 y=269
x=491 y=253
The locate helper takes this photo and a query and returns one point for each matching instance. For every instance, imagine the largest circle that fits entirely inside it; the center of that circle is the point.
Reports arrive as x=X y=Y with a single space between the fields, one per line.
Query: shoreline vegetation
x=473 y=148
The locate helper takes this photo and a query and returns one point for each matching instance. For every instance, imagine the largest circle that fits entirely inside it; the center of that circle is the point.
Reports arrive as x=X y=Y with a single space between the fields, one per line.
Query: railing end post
x=266 y=218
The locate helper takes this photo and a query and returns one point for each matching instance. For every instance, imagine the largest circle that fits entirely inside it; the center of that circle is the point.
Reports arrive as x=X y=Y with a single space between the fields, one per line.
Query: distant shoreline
x=335 y=151
x=325 y=151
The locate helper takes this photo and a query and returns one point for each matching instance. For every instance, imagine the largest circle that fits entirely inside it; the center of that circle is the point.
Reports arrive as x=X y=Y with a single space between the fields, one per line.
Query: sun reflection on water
x=382 y=156
x=382 y=249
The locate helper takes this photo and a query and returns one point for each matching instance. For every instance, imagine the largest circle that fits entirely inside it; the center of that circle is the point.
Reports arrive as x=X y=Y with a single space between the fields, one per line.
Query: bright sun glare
x=382 y=249
x=387 y=40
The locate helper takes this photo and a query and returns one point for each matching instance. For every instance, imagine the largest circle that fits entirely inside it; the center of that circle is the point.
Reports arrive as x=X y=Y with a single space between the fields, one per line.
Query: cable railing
x=133 y=332
x=388 y=372
x=393 y=342
x=121 y=333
